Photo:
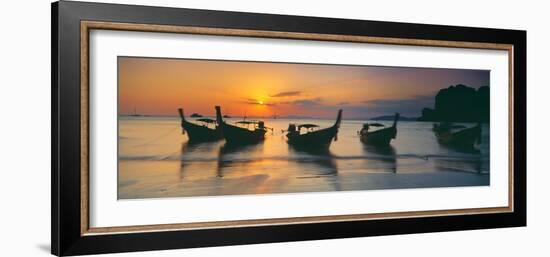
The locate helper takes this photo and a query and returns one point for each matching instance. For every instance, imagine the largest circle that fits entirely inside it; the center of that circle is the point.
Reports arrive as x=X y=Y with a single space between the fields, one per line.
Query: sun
x=260 y=102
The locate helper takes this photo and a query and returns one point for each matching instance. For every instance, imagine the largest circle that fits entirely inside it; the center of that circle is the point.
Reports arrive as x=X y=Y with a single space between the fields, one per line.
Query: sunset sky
x=155 y=86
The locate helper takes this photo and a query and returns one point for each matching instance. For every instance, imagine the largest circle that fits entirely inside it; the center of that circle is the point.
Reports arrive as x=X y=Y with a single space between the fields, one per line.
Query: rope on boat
x=159 y=137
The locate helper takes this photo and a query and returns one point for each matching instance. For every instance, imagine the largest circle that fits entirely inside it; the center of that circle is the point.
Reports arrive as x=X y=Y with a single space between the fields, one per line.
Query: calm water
x=155 y=160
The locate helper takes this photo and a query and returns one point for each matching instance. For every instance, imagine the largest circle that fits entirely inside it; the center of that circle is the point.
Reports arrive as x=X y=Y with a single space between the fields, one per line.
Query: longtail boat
x=241 y=135
x=465 y=138
x=380 y=137
x=313 y=138
x=207 y=131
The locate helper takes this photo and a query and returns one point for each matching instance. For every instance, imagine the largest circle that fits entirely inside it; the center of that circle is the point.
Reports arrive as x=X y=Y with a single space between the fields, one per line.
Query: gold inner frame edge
x=86 y=26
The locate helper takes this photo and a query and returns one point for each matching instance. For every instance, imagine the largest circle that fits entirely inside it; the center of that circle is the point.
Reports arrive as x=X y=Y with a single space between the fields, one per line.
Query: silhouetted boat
x=380 y=137
x=196 y=115
x=200 y=133
x=226 y=116
x=466 y=138
x=313 y=138
x=240 y=135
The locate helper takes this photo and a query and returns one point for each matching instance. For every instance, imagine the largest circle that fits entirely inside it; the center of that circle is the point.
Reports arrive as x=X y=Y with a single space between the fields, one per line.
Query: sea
x=156 y=160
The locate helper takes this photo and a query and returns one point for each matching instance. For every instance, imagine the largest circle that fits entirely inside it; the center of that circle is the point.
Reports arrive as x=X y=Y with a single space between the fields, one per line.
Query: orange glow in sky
x=158 y=86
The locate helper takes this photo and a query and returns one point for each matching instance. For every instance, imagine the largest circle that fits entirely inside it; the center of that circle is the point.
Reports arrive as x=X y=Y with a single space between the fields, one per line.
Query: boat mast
x=219 y=118
x=395 y=119
x=182 y=117
x=338 y=119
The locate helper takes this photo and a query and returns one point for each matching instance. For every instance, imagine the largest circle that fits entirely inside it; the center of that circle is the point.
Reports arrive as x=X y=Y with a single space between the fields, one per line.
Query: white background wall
x=25 y=127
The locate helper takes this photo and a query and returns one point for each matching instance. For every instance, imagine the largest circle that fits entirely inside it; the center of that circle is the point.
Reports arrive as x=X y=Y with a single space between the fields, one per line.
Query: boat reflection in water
x=322 y=159
x=174 y=166
x=190 y=156
x=317 y=166
x=475 y=164
x=239 y=156
x=383 y=158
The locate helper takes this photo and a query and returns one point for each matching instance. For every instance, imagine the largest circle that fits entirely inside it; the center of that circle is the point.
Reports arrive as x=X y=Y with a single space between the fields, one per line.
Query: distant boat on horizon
x=195 y=115
x=135 y=114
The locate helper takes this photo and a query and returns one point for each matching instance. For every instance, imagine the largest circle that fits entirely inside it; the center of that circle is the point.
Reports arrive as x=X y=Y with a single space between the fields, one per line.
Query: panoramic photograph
x=189 y=127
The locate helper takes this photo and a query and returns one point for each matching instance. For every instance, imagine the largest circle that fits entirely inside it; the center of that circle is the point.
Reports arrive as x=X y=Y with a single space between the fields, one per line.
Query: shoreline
x=349 y=181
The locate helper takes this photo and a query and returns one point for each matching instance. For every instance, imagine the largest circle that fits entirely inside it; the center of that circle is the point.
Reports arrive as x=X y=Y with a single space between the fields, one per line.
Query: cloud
x=305 y=102
x=255 y=102
x=287 y=93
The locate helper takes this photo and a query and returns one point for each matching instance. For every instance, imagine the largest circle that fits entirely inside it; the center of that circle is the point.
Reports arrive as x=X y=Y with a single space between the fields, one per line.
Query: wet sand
x=156 y=160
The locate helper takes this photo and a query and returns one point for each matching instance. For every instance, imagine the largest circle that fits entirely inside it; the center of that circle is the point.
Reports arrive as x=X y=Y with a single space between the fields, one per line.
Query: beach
x=156 y=160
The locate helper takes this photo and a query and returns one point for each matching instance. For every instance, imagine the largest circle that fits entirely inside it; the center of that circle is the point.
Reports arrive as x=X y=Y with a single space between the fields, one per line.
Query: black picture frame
x=66 y=235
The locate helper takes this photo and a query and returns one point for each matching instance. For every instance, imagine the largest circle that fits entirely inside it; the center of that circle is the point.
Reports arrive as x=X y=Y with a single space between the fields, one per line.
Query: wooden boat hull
x=464 y=139
x=237 y=135
x=380 y=137
x=198 y=133
x=320 y=139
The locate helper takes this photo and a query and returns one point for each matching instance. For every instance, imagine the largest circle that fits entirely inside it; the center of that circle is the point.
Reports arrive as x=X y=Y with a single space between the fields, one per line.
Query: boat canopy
x=374 y=124
x=248 y=122
x=448 y=126
x=307 y=126
x=206 y=120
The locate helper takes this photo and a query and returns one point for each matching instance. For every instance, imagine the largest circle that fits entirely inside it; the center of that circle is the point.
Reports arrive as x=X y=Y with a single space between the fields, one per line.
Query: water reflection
x=384 y=157
x=237 y=156
x=461 y=150
x=170 y=166
x=322 y=158
x=318 y=164
x=470 y=165
x=474 y=159
x=187 y=150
